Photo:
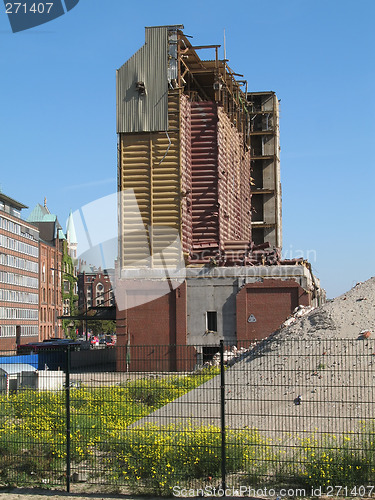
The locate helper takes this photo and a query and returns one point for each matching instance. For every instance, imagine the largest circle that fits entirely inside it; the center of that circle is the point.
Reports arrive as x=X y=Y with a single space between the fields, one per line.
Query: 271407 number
x=35 y=8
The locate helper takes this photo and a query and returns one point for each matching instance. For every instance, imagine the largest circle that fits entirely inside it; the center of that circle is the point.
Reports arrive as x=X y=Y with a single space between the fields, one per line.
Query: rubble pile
x=345 y=317
x=232 y=355
x=314 y=374
x=297 y=313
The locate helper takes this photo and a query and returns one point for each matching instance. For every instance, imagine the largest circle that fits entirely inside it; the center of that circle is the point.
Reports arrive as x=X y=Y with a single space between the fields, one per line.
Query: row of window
x=17 y=296
x=26 y=331
x=14 y=228
x=18 y=313
x=100 y=302
x=18 y=279
x=18 y=246
x=50 y=295
x=44 y=274
x=66 y=309
x=10 y=210
x=18 y=263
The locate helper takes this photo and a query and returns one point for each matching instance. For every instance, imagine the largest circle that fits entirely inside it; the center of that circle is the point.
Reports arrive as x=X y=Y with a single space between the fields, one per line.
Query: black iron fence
x=261 y=417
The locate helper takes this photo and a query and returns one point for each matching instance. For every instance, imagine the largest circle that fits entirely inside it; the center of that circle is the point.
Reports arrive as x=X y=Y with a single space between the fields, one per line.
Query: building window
x=209 y=353
x=211 y=321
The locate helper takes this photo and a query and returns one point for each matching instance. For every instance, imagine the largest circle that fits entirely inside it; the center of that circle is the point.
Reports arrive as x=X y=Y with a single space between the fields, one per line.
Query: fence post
x=67 y=408
x=222 y=417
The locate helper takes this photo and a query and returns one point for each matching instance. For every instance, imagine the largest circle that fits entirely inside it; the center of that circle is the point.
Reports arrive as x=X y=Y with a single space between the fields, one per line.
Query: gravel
x=315 y=375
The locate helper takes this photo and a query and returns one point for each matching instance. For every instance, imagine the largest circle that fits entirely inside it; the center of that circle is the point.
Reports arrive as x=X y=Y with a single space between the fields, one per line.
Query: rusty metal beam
x=198 y=47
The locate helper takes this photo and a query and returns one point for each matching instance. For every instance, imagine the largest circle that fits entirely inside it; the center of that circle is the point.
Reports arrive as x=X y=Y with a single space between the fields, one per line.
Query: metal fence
x=210 y=420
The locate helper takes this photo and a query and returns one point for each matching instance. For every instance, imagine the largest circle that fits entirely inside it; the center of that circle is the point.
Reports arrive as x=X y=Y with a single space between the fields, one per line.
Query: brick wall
x=262 y=307
x=157 y=331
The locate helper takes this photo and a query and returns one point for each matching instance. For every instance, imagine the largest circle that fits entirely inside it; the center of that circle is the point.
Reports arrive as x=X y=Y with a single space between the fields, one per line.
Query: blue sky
x=58 y=127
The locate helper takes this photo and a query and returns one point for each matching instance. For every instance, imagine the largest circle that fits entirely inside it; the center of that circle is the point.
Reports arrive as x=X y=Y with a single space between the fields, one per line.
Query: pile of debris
x=242 y=253
x=314 y=375
x=297 y=313
x=232 y=355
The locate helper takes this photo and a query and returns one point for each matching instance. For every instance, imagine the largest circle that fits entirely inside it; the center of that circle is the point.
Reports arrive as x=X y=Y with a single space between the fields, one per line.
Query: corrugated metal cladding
x=137 y=112
x=234 y=194
x=150 y=164
x=204 y=177
x=186 y=185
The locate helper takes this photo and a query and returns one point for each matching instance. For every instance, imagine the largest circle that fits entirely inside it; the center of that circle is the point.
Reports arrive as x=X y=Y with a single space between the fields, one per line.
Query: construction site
x=232 y=375
x=199 y=189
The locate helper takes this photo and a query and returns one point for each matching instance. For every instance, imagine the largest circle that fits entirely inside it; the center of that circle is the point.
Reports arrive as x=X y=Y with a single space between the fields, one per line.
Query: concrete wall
x=211 y=294
x=93 y=359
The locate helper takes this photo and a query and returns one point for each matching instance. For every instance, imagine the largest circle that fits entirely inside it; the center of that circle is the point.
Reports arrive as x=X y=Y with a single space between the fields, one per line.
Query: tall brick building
x=19 y=276
x=50 y=285
x=199 y=184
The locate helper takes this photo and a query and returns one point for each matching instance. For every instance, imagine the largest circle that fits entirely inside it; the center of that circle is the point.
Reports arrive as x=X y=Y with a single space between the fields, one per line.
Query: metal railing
x=274 y=414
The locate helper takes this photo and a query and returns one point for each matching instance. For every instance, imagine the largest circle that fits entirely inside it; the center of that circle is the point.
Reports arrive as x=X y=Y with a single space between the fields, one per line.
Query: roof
x=61 y=235
x=48 y=224
x=11 y=368
x=10 y=201
x=85 y=268
x=41 y=214
x=70 y=230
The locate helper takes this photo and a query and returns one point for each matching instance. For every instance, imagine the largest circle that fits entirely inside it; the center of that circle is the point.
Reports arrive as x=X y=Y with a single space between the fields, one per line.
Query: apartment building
x=94 y=288
x=50 y=271
x=19 y=276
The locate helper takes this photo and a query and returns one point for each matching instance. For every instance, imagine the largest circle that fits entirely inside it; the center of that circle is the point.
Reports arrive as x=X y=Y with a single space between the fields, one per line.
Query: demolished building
x=199 y=203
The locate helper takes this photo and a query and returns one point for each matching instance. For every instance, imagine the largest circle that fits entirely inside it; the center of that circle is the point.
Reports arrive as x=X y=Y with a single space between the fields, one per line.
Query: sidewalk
x=39 y=494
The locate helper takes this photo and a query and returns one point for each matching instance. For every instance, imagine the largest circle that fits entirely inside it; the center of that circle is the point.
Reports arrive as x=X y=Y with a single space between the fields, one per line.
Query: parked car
x=110 y=340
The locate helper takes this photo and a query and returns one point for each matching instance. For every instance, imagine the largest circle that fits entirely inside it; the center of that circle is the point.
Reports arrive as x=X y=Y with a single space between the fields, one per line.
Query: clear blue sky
x=58 y=129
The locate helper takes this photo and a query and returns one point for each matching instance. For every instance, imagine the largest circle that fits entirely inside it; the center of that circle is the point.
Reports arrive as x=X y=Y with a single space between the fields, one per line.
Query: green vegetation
x=151 y=458
x=330 y=460
x=67 y=289
x=154 y=458
x=98 y=327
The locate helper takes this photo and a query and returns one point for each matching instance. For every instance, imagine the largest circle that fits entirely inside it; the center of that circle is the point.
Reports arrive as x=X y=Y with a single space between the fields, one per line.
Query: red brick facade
x=152 y=330
x=263 y=306
x=95 y=289
x=147 y=334
x=19 y=295
x=50 y=296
